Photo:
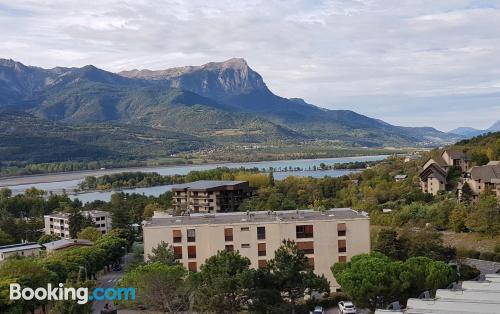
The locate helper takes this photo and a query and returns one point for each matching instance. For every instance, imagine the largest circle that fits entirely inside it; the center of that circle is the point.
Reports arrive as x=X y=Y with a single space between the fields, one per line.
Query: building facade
x=325 y=237
x=210 y=196
x=483 y=178
x=58 y=223
x=435 y=170
x=21 y=249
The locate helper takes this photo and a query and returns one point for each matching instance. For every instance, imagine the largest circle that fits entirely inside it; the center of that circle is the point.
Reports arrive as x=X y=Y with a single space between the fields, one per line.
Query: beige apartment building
x=58 y=223
x=326 y=237
x=210 y=196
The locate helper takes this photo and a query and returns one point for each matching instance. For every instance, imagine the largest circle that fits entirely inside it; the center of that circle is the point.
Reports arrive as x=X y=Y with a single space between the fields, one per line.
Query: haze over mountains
x=217 y=102
x=471 y=132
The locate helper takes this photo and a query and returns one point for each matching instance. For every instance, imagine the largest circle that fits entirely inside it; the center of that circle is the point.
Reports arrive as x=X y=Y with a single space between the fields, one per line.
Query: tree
x=388 y=244
x=77 y=221
x=466 y=193
x=28 y=273
x=163 y=253
x=486 y=217
x=458 y=219
x=271 y=178
x=5 y=238
x=72 y=306
x=294 y=276
x=223 y=283
x=150 y=209
x=160 y=286
x=46 y=238
x=90 y=233
x=428 y=243
x=479 y=158
x=374 y=281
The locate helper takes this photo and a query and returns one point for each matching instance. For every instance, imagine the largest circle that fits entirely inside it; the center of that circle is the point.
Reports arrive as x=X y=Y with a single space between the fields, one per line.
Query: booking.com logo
x=60 y=292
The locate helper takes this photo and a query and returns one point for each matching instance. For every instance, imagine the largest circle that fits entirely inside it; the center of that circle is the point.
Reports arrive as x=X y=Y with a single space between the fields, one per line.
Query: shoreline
x=80 y=175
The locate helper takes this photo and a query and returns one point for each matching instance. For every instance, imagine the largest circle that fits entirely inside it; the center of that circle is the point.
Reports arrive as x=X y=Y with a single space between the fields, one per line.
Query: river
x=56 y=183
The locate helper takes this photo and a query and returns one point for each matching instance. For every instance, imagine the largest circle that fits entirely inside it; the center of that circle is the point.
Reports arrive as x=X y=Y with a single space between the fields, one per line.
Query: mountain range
x=469 y=132
x=216 y=103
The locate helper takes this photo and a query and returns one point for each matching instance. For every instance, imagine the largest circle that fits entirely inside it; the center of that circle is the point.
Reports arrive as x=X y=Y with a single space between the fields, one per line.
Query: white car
x=318 y=310
x=346 y=307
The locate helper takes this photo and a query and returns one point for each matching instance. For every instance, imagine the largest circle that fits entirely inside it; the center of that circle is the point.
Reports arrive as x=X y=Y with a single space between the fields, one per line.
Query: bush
x=468 y=272
x=487 y=256
x=470 y=253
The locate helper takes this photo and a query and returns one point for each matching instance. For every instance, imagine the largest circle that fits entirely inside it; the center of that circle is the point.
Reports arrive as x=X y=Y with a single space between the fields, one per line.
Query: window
x=245 y=229
x=262 y=263
x=311 y=261
x=51 y=226
x=177 y=236
x=342 y=246
x=229 y=247
x=304 y=231
x=192 y=267
x=228 y=234
x=191 y=235
x=51 y=219
x=341 y=229
x=261 y=249
x=191 y=251
x=178 y=252
x=261 y=233
x=342 y=259
x=306 y=247
x=245 y=245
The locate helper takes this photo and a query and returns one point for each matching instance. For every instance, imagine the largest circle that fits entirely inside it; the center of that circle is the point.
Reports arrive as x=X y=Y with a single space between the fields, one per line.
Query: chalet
x=435 y=170
x=482 y=178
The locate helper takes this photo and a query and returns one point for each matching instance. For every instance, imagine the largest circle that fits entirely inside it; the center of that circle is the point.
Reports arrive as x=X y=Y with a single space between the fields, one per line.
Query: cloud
x=365 y=55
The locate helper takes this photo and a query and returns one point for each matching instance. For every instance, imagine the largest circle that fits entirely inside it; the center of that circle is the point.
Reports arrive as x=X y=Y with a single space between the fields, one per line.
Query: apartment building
x=58 y=223
x=482 y=178
x=326 y=237
x=210 y=196
x=435 y=170
x=21 y=249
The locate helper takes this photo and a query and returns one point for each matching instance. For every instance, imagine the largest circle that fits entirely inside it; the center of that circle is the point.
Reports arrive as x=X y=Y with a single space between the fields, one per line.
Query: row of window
x=302 y=231
x=191 y=251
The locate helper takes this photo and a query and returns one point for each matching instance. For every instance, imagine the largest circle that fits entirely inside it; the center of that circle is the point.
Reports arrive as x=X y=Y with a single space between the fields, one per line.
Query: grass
x=471 y=241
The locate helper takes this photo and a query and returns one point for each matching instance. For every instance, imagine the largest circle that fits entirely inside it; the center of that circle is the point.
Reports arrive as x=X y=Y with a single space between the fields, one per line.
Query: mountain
x=495 y=127
x=235 y=84
x=25 y=138
x=469 y=132
x=217 y=102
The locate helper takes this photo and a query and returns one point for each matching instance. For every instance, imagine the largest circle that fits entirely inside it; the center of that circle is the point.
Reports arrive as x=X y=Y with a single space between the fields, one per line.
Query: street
x=109 y=280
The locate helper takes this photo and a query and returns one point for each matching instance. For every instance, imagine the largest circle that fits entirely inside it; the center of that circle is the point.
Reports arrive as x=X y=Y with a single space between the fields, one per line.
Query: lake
x=70 y=185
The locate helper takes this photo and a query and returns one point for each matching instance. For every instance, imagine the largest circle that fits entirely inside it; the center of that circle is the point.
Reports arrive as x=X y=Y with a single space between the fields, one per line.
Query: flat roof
x=19 y=247
x=63 y=243
x=257 y=217
x=206 y=184
x=85 y=212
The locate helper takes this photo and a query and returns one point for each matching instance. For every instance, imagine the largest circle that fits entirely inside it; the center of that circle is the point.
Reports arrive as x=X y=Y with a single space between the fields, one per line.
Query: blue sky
x=415 y=63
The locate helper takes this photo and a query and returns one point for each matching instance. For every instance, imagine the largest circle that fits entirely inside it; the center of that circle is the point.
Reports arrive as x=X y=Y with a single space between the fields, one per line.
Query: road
x=109 y=280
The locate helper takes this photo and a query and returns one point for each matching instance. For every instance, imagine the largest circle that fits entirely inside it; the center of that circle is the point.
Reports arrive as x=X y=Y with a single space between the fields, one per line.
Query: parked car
x=346 y=307
x=117 y=267
x=318 y=310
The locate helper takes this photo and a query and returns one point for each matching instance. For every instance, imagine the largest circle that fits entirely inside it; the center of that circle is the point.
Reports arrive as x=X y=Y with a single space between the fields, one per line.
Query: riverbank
x=80 y=175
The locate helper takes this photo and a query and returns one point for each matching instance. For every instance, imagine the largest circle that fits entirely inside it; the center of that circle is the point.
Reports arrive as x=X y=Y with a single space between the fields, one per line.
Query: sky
x=413 y=63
